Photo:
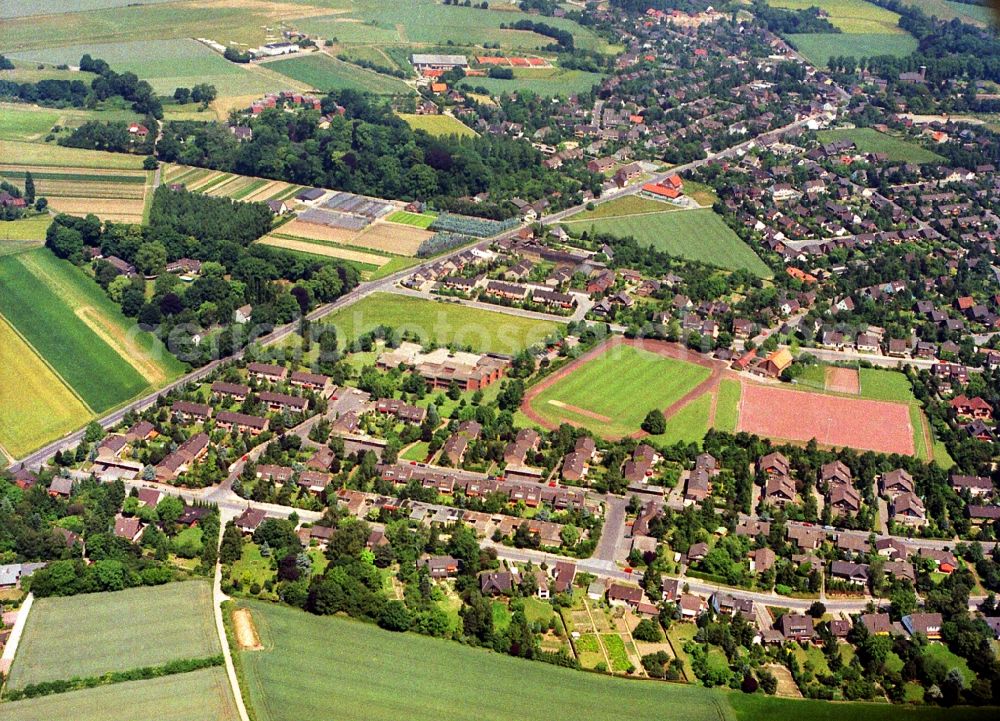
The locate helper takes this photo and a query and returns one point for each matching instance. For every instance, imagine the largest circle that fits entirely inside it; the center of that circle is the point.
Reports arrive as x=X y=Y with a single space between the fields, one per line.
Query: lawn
x=416 y=452
x=678 y=634
x=628 y=205
x=438 y=125
x=886 y=385
x=869 y=140
x=80 y=331
x=91 y=634
x=53 y=409
x=727 y=405
x=252 y=567
x=690 y=423
x=603 y=394
x=699 y=235
x=203 y=695
x=818 y=48
x=547 y=82
x=417 y=220
x=310 y=660
x=943 y=654
x=326 y=73
x=165 y=64
x=483 y=330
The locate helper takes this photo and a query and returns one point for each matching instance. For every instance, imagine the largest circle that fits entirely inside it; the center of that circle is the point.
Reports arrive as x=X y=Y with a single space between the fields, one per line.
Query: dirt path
x=246 y=632
x=580 y=411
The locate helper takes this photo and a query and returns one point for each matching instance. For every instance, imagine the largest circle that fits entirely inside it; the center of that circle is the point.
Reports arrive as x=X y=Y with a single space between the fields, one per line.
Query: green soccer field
x=869 y=140
x=91 y=634
x=694 y=234
x=484 y=330
x=80 y=332
x=546 y=82
x=612 y=393
x=203 y=695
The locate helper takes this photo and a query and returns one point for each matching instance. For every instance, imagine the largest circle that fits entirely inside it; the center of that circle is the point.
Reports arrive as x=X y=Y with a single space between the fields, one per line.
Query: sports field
x=79 y=331
x=484 y=330
x=417 y=220
x=203 y=695
x=727 y=405
x=307 y=658
x=869 y=140
x=611 y=391
x=690 y=423
x=437 y=124
x=94 y=633
x=695 y=234
x=326 y=73
x=832 y=420
x=545 y=82
x=52 y=409
x=818 y=48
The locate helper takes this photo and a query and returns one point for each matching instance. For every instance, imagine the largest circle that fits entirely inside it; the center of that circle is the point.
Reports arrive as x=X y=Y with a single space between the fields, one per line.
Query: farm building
x=423 y=62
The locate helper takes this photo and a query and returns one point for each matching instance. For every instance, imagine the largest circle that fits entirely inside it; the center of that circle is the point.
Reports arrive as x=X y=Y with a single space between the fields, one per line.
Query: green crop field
x=607 y=389
x=753 y=707
x=545 y=82
x=417 y=220
x=694 y=234
x=25 y=123
x=484 y=330
x=851 y=16
x=93 y=633
x=307 y=658
x=166 y=64
x=24 y=8
x=25 y=153
x=869 y=140
x=53 y=410
x=727 y=406
x=437 y=124
x=25 y=229
x=203 y=695
x=326 y=73
x=79 y=331
x=818 y=48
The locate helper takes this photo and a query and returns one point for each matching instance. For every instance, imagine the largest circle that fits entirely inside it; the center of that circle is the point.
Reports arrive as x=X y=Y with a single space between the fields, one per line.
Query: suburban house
x=249 y=520
x=795 y=627
x=877 y=624
x=440 y=566
x=895 y=482
x=909 y=509
x=929 y=624
x=619 y=595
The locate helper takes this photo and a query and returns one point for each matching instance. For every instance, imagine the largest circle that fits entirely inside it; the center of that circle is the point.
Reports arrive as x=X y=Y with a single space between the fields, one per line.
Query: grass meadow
x=850 y=16
x=608 y=387
x=379 y=676
x=203 y=695
x=545 y=82
x=869 y=140
x=689 y=424
x=79 y=331
x=727 y=406
x=38 y=154
x=437 y=124
x=92 y=634
x=699 y=235
x=818 y=48
x=627 y=205
x=326 y=73
x=485 y=331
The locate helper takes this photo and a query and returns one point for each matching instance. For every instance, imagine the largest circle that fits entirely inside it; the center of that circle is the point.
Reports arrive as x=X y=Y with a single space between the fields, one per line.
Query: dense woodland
x=371 y=151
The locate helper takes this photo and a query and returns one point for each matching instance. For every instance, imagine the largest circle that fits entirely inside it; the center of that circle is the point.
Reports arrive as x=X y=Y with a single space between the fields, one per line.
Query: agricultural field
x=438 y=124
x=327 y=249
x=32 y=123
x=325 y=73
x=237 y=187
x=426 y=22
x=485 y=331
x=818 y=48
x=92 y=634
x=56 y=156
x=203 y=695
x=850 y=16
x=417 y=220
x=117 y=195
x=26 y=229
x=946 y=10
x=24 y=8
x=600 y=392
x=165 y=64
x=79 y=331
x=306 y=656
x=544 y=82
x=694 y=234
x=869 y=140
x=54 y=409
x=627 y=205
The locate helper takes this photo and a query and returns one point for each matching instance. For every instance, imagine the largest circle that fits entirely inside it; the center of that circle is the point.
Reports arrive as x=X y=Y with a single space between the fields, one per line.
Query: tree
x=647 y=630
x=817 y=609
x=655 y=423
x=395 y=616
x=151 y=258
x=29 y=188
x=117 y=287
x=232 y=544
x=94 y=432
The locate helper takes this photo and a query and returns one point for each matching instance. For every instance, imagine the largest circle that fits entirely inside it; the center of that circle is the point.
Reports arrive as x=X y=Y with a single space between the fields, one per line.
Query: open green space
x=700 y=235
x=25 y=123
x=92 y=634
x=444 y=323
x=326 y=73
x=375 y=675
x=24 y=8
x=818 y=48
x=690 y=423
x=886 y=385
x=437 y=125
x=417 y=220
x=869 y=140
x=545 y=82
x=604 y=393
x=25 y=229
x=203 y=695
x=950 y=660
x=727 y=406
x=627 y=205
x=79 y=331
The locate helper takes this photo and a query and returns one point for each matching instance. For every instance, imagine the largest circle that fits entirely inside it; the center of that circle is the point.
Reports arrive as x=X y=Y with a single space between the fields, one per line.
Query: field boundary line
x=48 y=365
